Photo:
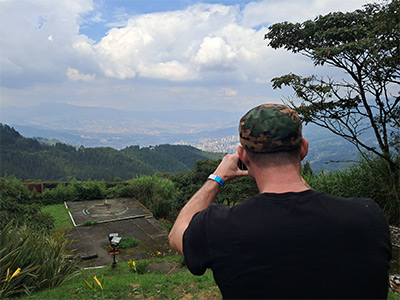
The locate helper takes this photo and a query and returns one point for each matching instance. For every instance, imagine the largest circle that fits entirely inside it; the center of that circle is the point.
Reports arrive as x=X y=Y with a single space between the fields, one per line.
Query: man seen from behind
x=290 y=241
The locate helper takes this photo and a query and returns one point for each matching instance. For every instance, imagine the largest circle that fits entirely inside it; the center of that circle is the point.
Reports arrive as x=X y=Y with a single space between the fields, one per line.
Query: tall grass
x=41 y=258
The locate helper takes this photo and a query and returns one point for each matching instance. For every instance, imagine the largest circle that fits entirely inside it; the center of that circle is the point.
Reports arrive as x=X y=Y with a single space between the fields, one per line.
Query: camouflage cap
x=270 y=128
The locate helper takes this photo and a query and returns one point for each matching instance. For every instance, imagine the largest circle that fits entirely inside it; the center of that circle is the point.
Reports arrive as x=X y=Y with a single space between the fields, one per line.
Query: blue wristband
x=217 y=179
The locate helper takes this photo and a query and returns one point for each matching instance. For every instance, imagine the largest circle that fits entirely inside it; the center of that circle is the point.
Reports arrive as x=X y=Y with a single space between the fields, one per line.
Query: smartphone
x=241 y=165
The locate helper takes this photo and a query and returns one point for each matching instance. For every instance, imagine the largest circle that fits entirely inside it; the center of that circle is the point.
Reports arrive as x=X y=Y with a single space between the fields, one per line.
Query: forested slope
x=28 y=159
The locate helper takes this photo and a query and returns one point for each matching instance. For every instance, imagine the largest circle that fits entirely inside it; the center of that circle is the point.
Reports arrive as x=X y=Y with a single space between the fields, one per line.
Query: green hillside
x=28 y=159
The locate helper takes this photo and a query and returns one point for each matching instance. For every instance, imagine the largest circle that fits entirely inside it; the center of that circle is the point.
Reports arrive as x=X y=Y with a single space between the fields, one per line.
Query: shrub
x=41 y=258
x=119 y=190
x=157 y=194
x=139 y=266
x=16 y=205
x=12 y=188
x=88 y=190
x=59 y=194
x=90 y=223
x=128 y=242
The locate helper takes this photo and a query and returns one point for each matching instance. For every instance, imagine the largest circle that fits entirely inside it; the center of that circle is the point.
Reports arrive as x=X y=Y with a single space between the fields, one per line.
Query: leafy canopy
x=365 y=45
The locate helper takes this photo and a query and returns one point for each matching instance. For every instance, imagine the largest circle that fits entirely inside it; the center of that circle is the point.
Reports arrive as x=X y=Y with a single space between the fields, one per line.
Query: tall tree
x=365 y=45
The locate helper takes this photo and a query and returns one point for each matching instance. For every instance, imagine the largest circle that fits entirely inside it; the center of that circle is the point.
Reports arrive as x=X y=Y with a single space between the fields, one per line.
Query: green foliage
x=59 y=194
x=12 y=188
x=41 y=257
x=139 y=266
x=128 y=242
x=97 y=286
x=365 y=45
x=233 y=192
x=75 y=190
x=237 y=191
x=88 y=190
x=156 y=193
x=90 y=223
x=16 y=205
x=119 y=190
x=122 y=283
x=306 y=169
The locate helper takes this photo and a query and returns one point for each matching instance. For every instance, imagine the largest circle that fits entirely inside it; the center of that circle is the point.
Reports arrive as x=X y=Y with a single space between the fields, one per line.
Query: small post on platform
x=114 y=240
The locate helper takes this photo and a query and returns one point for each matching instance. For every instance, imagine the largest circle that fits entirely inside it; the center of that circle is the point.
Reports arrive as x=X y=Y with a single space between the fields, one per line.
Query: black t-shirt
x=292 y=245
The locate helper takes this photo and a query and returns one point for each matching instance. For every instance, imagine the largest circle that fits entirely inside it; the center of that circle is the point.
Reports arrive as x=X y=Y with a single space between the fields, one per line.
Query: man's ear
x=304 y=149
x=243 y=155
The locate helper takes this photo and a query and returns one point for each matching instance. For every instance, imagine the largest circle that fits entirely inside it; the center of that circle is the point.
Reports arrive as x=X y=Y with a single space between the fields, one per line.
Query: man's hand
x=228 y=169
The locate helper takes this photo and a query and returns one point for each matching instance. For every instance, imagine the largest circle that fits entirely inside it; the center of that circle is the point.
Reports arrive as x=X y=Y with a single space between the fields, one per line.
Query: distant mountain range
x=26 y=158
x=208 y=130
x=98 y=126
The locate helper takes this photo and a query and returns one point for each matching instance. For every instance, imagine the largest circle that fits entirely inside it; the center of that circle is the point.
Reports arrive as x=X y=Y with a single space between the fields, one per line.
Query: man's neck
x=280 y=180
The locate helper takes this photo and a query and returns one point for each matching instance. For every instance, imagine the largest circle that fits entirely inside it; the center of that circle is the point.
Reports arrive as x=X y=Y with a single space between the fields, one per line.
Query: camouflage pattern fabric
x=270 y=128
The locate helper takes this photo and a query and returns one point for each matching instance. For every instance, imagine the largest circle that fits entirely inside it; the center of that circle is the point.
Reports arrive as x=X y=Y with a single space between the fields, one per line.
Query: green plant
x=122 y=283
x=119 y=190
x=61 y=193
x=156 y=193
x=9 y=284
x=41 y=257
x=97 y=286
x=139 y=266
x=88 y=190
x=16 y=205
x=128 y=242
x=132 y=265
x=365 y=45
x=90 y=223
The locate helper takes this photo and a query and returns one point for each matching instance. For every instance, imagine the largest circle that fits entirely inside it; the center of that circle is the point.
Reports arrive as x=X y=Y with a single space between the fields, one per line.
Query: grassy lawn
x=393 y=296
x=60 y=215
x=122 y=283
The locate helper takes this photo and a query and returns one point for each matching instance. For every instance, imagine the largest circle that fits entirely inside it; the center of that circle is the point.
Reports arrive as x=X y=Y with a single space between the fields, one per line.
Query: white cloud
x=269 y=12
x=207 y=46
x=215 y=53
x=204 y=41
x=228 y=92
x=75 y=75
x=36 y=38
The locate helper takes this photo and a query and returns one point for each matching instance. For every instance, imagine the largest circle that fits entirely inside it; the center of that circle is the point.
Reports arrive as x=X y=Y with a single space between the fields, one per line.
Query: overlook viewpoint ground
x=96 y=219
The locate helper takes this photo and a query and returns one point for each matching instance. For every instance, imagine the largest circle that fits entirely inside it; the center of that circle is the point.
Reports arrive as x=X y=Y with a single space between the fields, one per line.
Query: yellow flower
x=132 y=264
x=8 y=274
x=98 y=282
x=16 y=273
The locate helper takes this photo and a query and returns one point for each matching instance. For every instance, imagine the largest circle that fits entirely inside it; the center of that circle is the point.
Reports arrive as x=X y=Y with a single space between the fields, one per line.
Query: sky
x=150 y=54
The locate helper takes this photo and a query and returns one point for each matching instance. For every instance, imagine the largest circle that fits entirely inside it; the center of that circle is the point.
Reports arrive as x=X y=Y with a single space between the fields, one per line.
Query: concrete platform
x=128 y=218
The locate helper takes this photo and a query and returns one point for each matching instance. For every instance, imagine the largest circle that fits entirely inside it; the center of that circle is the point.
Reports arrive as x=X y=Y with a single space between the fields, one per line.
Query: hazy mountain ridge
x=26 y=158
x=209 y=130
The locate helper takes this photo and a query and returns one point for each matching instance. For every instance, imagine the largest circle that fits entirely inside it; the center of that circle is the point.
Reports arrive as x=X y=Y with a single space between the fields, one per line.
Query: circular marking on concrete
x=105 y=209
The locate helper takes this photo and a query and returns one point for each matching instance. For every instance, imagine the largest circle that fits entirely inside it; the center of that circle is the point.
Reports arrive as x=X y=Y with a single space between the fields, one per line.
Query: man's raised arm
x=227 y=170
